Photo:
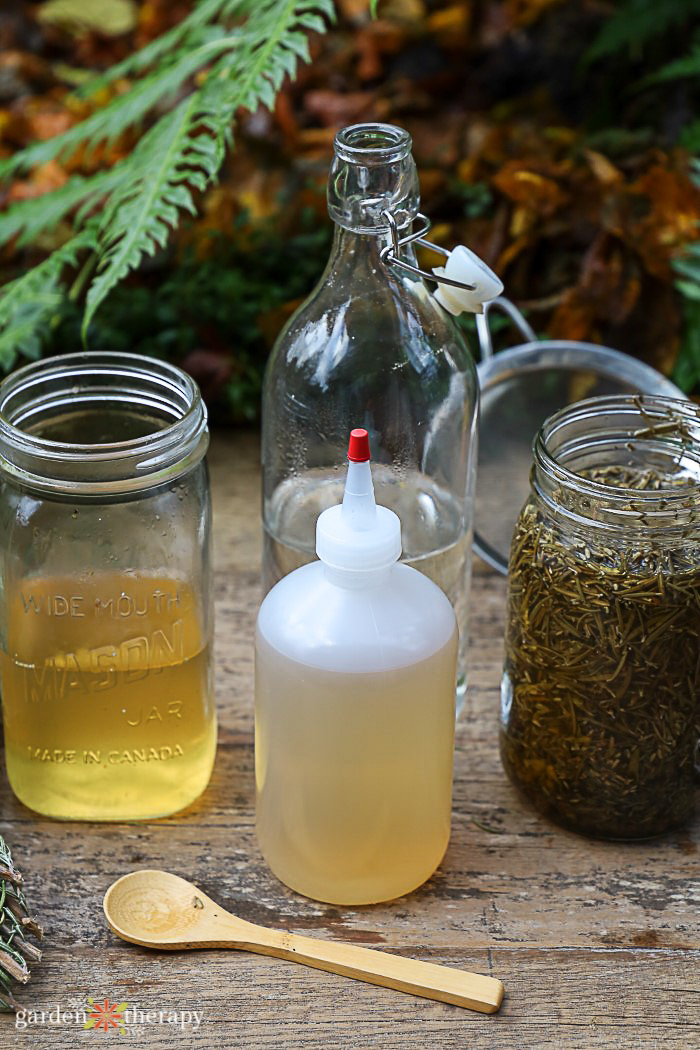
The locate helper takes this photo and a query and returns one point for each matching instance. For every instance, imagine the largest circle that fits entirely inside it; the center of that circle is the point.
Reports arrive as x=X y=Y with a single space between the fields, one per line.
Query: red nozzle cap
x=358 y=448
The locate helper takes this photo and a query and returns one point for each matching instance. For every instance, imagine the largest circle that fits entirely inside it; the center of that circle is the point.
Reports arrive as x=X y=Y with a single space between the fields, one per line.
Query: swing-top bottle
x=371 y=347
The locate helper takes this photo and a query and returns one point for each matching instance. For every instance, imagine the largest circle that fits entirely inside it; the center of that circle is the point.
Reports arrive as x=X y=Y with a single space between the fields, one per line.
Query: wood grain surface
x=598 y=944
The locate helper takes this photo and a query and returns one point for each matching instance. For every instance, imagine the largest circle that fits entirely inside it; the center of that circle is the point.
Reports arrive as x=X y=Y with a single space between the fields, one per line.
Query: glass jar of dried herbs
x=600 y=697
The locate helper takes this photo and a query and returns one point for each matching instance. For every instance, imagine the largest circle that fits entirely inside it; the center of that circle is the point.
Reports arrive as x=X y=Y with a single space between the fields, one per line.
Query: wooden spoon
x=160 y=910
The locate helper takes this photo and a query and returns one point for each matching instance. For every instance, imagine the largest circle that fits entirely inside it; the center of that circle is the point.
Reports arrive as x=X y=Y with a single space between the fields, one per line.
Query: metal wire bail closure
x=389 y=255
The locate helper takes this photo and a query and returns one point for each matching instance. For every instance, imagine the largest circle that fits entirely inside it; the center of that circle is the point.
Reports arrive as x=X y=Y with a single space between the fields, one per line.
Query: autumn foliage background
x=554 y=146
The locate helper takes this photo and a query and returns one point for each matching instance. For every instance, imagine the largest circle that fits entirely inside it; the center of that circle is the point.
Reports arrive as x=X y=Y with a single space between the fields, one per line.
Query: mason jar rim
x=101 y=468
x=668 y=424
x=372 y=143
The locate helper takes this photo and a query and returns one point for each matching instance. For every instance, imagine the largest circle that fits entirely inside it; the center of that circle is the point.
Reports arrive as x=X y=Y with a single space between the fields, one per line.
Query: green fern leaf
x=36 y=216
x=181 y=153
x=267 y=49
x=687 y=66
x=193 y=31
x=13 y=294
x=686 y=372
x=105 y=125
x=23 y=336
x=634 y=23
x=299 y=44
x=314 y=23
x=171 y=157
x=140 y=216
x=324 y=8
x=28 y=303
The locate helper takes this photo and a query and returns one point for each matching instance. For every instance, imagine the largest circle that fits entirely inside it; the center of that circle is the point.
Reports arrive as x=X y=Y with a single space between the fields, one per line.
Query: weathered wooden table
x=598 y=943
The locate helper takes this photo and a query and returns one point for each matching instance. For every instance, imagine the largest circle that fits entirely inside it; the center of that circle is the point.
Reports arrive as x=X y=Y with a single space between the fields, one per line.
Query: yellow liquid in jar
x=354 y=774
x=107 y=701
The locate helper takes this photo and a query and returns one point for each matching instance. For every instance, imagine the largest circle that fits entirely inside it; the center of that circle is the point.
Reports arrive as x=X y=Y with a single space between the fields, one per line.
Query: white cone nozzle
x=357 y=534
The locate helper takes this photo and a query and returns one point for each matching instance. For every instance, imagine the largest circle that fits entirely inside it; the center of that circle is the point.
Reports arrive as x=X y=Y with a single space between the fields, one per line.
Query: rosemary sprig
x=15 y=921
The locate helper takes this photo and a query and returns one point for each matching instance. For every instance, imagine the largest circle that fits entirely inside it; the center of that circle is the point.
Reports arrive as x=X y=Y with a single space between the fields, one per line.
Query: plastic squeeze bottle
x=354 y=710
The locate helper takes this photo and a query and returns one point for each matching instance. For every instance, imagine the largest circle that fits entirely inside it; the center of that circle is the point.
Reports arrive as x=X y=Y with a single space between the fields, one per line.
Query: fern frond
x=105 y=125
x=146 y=193
x=185 y=50
x=23 y=335
x=634 y=23
x=268 y=50
x=38 y=215
x=687 y=66
x=186 y=148
x=323 y=7
x=28 y=303
x=193 y=31
x=141 y=215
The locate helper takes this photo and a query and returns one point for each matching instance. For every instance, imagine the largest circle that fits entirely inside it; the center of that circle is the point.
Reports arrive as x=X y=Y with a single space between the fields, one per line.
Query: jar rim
x=100 y=379
x=669 y=424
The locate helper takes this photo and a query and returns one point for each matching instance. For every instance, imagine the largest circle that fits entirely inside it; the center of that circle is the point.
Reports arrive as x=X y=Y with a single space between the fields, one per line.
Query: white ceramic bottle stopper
x=464 y=265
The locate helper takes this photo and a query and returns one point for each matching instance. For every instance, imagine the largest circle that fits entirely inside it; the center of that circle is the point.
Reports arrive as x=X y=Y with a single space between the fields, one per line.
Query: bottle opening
x=373 y=172
x=372 y=144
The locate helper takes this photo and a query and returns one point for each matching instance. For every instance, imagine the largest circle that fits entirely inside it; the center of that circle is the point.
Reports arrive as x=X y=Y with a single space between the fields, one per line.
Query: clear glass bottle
x=371 y=347
x=601 y=686
x=105 y=611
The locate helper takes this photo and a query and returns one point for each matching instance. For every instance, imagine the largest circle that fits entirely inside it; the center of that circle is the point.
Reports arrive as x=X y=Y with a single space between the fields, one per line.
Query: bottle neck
x=352 y=250
x=358 y=255
x=372 y=172
x=357 y=579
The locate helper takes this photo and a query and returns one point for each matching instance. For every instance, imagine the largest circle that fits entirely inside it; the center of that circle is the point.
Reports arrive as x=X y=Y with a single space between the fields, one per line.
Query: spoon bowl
x=159 y=909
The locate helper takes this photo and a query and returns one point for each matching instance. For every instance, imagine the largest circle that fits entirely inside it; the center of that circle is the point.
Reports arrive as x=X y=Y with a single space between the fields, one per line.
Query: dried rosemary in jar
x=601 y=686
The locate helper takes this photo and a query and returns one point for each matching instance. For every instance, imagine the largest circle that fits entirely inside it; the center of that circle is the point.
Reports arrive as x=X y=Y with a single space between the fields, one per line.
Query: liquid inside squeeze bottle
x=354 y=710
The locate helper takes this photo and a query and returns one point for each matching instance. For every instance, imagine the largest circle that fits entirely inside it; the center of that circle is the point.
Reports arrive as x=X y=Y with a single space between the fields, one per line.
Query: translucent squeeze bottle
x=354 y=710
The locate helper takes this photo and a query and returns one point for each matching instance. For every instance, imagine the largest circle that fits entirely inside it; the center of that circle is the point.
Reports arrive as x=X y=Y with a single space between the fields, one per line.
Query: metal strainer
x=520 y=388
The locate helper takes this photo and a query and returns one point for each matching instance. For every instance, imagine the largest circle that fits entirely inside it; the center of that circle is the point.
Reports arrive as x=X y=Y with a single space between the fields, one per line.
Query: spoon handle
x=443 y=983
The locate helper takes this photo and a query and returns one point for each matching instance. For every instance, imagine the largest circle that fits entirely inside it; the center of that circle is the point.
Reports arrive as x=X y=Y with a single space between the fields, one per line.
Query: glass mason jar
x=105 y=611
x=372 y=348
x=601 y=687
